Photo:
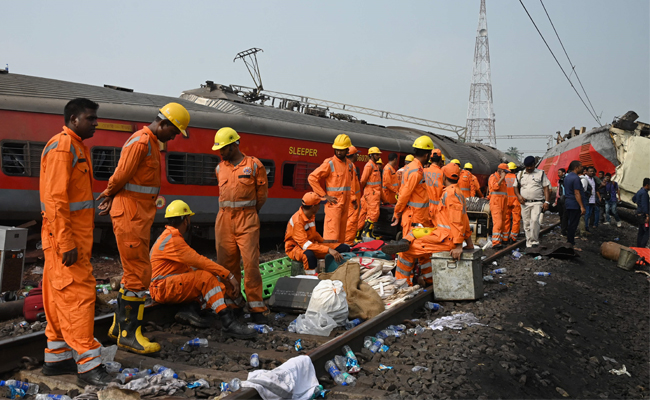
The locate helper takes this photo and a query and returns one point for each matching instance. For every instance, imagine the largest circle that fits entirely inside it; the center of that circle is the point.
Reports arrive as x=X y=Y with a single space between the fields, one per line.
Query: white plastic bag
x=295 y=379
x=329 y=298
x=315 y=323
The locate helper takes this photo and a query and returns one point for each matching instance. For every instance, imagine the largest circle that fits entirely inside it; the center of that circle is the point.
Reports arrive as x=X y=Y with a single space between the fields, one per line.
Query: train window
x=295 y=175
x=21 y=158
x=269 y=165
x=192 y=168
x=105 y=161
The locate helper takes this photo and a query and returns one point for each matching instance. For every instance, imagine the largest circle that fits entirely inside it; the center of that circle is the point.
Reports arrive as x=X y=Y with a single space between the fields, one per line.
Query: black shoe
x=96 y=377
x=259 y=318
x=189 y=315
x=64 y=367
x=231 y=327
x=395 y=247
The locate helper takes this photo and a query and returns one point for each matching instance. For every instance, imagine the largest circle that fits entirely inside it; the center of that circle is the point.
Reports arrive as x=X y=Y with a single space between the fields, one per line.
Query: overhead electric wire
x=570 y=62
x=558 y=63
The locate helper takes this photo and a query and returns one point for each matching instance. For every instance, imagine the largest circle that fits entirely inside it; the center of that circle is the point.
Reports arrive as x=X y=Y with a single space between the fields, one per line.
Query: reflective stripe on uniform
x=403 y=261
x=429 y=275
x=401 y=271
x=88 y=354
x=82 y=205
x=443 y=226
x=465 y=189
x=373 y=183
x=141 y=189
x=332 y=166
x=433 y=202
x=253 y=304
x=74 y=153
x=500 y=193
x=56 y=357
x=291 y=221
x=410 y=172
x=307 y=244
x=50 y=147
x=217 y=303
x=57 y=345
x=427 y=265
x=309 y=225
x=237 y=204
x=94 y=363
x=417 y=205
x=212 y=292
x=130 y=142
x=164 y=242
x=162 y=276
x=338 y=189
x=461 y=199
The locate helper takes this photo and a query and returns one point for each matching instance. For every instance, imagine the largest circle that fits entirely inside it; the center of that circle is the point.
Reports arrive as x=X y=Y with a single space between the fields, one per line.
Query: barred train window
x=105 y=161
x=21 y=158
x=192 y=168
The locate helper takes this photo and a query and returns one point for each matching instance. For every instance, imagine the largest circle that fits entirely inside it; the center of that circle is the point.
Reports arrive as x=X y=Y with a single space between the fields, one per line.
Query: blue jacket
x=642 y=201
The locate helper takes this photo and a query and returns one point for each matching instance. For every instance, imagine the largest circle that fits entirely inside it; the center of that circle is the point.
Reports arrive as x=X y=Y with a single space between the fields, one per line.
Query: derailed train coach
x=290 y=144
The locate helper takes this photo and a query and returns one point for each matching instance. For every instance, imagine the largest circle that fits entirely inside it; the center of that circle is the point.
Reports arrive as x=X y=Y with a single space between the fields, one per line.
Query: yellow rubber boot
x=118 y=317
x=131 y=337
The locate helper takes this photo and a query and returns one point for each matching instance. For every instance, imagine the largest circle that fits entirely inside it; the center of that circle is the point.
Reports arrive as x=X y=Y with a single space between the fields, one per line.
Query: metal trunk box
x=13 y=242
x=457 y=280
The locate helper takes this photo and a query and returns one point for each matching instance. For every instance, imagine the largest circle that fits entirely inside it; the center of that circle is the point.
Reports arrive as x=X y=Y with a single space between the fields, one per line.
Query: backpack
x=33 y=309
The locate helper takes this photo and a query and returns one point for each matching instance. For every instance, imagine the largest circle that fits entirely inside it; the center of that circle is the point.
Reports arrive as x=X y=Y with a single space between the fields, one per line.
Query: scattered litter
x=457 y=321
x=498 y=271
x=37 y=271
x=542 y=273
x=229 y=387
x=488 y=245
x=107 y=258
x=351 y=324
x=280 y=316
x=516 y=255
x=320 y=393
x=542 y=283
x=488 y=278
x=298 y=345
x=616 y=239
x=562 y=392
x=537 y=258
x=255 y=360
x=246 y=316
x=352 y=362
x=494 y=263
x=383 y=367
x=622 y=371
x=483 y=258
x=432 y=306
x=112 y=302
x=260 y=328
x=537 y=331
x=384 y=349
x=610 y=360
x=419 y=368
x=197 y=342
x=341 y=378
x=201 y=383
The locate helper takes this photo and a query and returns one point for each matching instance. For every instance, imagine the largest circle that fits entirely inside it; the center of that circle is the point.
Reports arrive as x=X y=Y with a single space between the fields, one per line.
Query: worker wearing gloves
x=130 y=197
x=389 y=184
x=371 y=192
x=434 y=181
x=68 y=213
x=302 y=242
x=512 y=224
x=451 y=230
x=466 y=183
x=354 y=209
x=176 y=282
x=498 y=203
x=407 y=160
x=243 y=190
x=338 y=174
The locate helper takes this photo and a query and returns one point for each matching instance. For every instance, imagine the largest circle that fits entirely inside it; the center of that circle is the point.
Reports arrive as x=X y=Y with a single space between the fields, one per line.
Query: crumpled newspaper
x=622 y=371
x=456 y=321
x=153 y=385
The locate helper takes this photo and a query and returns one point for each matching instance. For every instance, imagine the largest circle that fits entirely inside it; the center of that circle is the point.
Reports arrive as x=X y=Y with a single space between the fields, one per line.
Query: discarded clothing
x=456 y=321
x=295 y=379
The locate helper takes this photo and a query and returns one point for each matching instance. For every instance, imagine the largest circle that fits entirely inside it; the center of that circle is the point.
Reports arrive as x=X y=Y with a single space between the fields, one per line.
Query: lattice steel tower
x=480 y=114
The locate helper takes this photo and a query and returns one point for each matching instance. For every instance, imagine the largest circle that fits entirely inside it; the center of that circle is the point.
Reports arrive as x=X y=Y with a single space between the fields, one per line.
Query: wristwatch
x=547 y=202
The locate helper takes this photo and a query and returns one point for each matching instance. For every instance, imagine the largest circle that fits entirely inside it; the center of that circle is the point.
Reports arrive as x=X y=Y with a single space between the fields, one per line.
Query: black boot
x=367 y=229
x=259 y=318
x=64 y=367
x=189 y=315
x=96 y=377
x=131 y=337
x=395 y=247
x=233 y=328
x=118 y=317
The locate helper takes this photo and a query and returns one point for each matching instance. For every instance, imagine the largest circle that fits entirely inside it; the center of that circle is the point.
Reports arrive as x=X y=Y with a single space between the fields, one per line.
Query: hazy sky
x=409 y=57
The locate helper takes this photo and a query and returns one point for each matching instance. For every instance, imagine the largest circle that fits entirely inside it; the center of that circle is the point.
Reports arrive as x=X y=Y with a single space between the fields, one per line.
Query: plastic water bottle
x=537 y=258
x=351 y=324
x=499 y=271
x=112 y=367
x=255 y=360
x=235 y=384
x=130 y=371
x=488 y=278
x=169 y=374
x=383 y=334
x=125 y=378
x=352 y=361
x=543 y=273
x=343 y=379
x=341 y=362
x=28 y=388
x=516 y=255
x=201 y=383
x=368 y=341
x=432 y=306
x=52 y=396
x=197 y=342
x=418 y=330
x=292 y=326
x=143 y=373
x=158 y=368
x=260 y=328
x=376 y=345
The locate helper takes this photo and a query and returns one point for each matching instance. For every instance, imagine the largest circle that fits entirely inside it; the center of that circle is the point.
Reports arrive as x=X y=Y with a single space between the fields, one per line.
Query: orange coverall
x=390 y=185
x=465 y=183
x=498 y=206
x=243 y=190
x=371 y=186
x=174 y=282
x=512 y=224
x=413 y=201
x=353 y=213
x=135 y=185
x=68 y=210
x=301 y=235
x=399 y=174
x=338 y=176
x=476 y=186
x=452 y=229
x=435 y=185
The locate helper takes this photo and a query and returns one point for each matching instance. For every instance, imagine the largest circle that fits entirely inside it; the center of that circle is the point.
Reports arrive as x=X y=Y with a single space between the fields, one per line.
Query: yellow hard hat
x=409 y=158
x=342 y=142
x=512 y=166
x=468 y=166
x=374 y=150
x=455 y=161
x=420 y=232
x=423 y=142
x=379 y=161
x=224 y=137
x=178 y=208
x=178 y=115
x=443 y=158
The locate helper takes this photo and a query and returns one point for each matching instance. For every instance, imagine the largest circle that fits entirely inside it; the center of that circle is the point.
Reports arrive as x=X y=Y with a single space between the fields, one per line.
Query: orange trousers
x=421 y=249
x=370 y=202
x=298 y=254
x=69 y=301
x=336 y=220
x=237 y=237
x=132 y=219
x=512 y=225
x=352 y=225
x=498 y=208
x=197 y=285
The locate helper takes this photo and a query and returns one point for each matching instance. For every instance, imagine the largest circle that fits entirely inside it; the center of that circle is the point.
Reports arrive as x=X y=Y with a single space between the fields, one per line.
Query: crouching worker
x=176 y=282
x=302 y=242
x=452 y=228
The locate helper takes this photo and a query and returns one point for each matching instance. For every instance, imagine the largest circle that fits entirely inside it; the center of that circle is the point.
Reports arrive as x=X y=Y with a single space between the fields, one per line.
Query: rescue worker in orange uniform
x=435 y=183
x=176 y=282
x=130 y=197
x=354 y=209
x=338 y=174
x=68 y=212
x=390 y=184
x=408 y=159
x=371 y=192
x=498 y=203
x=243 y=190
x=476 y=187
x=466 y=183
x=448 y=235
x=512 y=225
x=301 y=240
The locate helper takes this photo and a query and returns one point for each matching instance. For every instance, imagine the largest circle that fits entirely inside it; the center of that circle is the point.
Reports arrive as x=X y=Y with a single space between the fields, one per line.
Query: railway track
x=224 y=359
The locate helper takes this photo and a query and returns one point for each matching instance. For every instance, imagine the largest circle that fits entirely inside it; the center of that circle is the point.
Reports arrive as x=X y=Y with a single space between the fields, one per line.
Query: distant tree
x=515 y=153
